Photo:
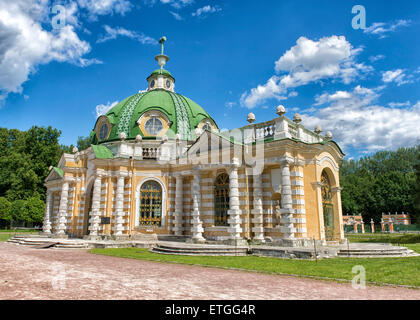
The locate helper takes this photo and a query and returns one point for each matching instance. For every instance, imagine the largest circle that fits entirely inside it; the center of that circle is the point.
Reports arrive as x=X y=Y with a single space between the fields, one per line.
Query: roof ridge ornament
x=161 y=58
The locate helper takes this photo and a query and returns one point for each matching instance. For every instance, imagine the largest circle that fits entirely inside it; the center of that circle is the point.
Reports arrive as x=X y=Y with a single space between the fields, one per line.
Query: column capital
x=122 y=174
x=68 y=179
x=317 y=184
x=235 y=163
x=336 y=189
x=286 y=161
x=299 y=162
x=100 y=173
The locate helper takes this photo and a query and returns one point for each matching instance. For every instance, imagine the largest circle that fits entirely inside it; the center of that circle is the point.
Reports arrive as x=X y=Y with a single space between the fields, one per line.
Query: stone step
x=198 y=252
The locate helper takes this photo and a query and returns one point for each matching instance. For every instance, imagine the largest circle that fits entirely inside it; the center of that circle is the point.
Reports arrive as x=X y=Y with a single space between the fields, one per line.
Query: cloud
x=357 y=122
x=114 y=33
x=102 y=109
x=398 y=76
x=104 y=7
x=177 y=16
x=177 y=4
x=399 y=104
x=25 y=44
x=309 y=61
x=205 y=10
x=381 y=29
x=376 y=58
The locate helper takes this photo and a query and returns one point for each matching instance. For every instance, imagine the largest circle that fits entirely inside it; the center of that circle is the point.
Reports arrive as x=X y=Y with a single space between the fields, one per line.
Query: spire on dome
x=162 y=59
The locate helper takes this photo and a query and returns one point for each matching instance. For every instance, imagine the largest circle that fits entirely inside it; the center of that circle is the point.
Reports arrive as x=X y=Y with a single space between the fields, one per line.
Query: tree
x=25 y=158
x=83 y=143
x=383 y=182
x=18 y=211
x=5 y=217
x=417 y=188
x=35 y=209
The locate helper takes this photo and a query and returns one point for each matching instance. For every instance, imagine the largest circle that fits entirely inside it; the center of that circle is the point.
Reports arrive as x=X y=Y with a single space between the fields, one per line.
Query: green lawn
x=6 y=234
x=396 y=238
x=401 y=271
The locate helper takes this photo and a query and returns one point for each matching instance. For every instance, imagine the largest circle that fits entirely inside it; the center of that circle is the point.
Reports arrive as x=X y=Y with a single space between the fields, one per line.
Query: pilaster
x=257 y=211
x=197 y=225
x=234 y=212
x=46 y=228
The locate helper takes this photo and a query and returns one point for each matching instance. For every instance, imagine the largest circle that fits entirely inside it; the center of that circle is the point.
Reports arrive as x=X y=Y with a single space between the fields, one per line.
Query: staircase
x=44 y=243
x=198 y=249
x=368 y=250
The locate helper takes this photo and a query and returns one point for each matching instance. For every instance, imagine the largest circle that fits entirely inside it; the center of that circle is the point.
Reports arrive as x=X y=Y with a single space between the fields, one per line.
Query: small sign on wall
x=105 y=220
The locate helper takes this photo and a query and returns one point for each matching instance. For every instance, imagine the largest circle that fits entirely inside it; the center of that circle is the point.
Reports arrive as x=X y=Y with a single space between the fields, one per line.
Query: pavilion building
x=158 y=164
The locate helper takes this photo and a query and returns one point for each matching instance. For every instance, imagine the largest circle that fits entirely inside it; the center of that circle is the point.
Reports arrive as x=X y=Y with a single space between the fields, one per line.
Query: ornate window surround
x=164 y=197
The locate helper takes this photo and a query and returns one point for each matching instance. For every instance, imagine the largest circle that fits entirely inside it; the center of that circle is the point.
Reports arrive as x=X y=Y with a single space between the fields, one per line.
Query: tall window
x=327 y=206
x=151 y=203
x=221 y=200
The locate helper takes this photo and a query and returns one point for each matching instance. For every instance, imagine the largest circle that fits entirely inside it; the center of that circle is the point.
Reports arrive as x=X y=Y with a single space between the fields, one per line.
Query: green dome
x=162 y=72
x=183 y=114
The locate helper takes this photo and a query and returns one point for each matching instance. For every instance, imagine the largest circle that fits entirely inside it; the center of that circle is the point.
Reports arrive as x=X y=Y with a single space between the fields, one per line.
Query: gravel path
x=28 y=273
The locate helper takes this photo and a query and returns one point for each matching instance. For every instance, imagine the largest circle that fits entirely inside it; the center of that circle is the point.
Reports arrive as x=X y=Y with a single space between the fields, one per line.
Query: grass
x=394 y=271
x=395 y=238
x=6 y=234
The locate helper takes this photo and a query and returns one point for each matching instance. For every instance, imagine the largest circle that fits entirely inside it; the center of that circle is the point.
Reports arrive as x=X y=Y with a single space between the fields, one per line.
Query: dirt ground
x=28 y=273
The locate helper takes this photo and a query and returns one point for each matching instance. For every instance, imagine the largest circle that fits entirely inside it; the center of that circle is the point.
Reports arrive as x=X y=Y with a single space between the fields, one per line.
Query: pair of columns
x=286 y=210
x=96 y=202
x=197 y=224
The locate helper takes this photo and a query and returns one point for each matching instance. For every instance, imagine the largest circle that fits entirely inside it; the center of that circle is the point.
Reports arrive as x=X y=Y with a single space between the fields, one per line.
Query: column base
x=301 y=242
x=196 y=240
x=90 y=237
x=121 y=237
x=60 y=236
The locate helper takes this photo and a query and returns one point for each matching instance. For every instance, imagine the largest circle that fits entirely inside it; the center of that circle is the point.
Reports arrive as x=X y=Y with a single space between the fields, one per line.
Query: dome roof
x=182 y=113
x=162 y=72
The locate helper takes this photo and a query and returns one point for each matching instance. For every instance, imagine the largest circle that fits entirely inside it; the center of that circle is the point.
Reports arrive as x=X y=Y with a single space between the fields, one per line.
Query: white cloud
x=357 y=122
x=25 y=44
x=381 y=29
x=104 y=7
x=113 y=33
x=398 y=76
x=309 y=61
x=399 y=104
x=205 y=9
x=177 y=16
x=177 y=4
x=376 y=58
x=271 y=89
x=102 y=109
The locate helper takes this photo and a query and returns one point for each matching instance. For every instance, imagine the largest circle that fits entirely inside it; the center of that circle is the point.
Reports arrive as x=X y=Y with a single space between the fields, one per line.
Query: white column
x=46 y=227
x=286 y=210
x=96 y=203
x=234 y=213
x=179 y=202
x=62 y=211
x=197 y=225
x=257 y=212
x=119 y=206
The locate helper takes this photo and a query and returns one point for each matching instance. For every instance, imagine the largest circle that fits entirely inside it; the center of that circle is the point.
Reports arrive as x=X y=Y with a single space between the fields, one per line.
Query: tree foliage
x=25 y=159
x=383 y=182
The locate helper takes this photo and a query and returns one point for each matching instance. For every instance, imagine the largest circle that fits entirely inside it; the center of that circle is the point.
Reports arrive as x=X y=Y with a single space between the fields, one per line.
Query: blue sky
x=231 y=57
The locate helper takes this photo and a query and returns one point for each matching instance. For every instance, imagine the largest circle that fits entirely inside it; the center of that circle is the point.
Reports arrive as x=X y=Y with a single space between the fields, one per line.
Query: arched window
x=327 y=206
x=221 y=200
x=151 y=203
